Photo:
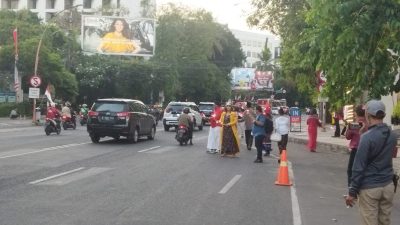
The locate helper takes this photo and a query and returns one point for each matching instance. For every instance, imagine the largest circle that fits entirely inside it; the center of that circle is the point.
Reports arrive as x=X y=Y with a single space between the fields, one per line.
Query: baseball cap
x=374 y=106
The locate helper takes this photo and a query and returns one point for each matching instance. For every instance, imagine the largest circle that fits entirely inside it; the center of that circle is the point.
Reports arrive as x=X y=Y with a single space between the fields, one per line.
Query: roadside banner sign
x=295 y=119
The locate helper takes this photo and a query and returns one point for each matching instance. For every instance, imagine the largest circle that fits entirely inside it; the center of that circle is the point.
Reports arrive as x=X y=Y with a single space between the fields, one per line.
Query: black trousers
x=350 y=165
x=259 y=145
x=337 y=128
x=283 y=143
x=249 y=138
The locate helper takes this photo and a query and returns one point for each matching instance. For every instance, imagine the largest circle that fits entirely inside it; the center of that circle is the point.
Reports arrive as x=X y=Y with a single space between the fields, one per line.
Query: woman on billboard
x=118 y=39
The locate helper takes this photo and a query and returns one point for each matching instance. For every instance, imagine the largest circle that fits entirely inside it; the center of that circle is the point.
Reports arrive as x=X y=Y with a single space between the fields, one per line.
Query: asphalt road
x=68 y=180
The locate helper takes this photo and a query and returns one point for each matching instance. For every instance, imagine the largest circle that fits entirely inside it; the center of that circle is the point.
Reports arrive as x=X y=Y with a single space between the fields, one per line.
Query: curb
x=331 y=147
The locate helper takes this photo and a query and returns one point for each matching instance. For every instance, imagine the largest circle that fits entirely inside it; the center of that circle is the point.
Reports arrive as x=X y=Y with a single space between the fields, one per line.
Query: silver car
x=174 y=110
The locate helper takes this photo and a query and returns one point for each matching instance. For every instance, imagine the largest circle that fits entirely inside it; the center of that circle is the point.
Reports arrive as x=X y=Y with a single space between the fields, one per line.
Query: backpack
x=268 y=126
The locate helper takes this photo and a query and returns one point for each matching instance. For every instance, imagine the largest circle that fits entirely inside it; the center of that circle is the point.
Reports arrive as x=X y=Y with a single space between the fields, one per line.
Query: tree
x=51 y=67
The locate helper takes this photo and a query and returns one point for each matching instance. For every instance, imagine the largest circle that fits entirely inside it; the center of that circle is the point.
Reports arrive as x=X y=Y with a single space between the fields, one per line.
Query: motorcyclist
x=66 y=110
x=84 y=110
x=53 y=114
x=187 y=120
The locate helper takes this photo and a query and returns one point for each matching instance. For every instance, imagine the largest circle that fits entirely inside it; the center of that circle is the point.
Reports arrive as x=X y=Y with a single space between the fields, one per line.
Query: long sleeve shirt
x=373 y=164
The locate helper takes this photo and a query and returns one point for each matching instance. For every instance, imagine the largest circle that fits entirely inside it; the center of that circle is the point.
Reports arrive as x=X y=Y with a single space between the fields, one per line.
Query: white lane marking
x=57 y=175
x=5 y=156
x=75 y=176
x=295 y=200
x=149 y=149
x=230 y=184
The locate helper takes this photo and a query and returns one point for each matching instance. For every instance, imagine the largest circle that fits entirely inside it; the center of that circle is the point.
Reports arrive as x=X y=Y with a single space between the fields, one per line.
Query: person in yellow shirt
x=118 y=39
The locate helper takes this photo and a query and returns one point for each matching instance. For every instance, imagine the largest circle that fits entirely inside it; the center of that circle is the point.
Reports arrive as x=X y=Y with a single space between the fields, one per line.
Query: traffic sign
x=34 y=92
x=35 y=81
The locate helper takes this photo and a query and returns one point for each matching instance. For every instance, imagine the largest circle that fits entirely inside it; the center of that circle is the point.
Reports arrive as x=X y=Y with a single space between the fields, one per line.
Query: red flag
x=15 y=35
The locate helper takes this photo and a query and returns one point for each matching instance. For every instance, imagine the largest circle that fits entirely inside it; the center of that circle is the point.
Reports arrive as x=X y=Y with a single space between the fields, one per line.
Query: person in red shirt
x=53 y=114
x=214 y=135
x=313 y=123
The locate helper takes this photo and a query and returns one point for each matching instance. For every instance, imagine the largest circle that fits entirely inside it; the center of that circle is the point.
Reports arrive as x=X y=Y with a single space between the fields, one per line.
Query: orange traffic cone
x=283 y=172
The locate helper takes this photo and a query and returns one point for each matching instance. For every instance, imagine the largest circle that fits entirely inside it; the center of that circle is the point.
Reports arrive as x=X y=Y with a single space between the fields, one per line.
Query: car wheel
x=95 y=138
x=133 y=136
x=166 y=128
x=152 y=134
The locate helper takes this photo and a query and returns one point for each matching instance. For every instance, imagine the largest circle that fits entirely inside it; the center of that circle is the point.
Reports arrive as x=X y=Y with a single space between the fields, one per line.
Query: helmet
x=53 y=104
x=186 y=110
x=84 y=105
x=67 y=104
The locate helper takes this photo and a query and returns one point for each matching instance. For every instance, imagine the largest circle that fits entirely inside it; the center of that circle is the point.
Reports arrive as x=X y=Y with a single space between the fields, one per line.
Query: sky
x=231 y=12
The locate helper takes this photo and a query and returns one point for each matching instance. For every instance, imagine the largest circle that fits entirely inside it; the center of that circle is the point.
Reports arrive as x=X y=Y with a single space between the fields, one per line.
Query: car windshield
x=175 y=108
x=206 y=107
x=110 y=107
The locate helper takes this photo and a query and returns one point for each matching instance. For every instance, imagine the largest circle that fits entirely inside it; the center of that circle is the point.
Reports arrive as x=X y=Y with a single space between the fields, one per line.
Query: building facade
x=253 y=45
x=46 y=9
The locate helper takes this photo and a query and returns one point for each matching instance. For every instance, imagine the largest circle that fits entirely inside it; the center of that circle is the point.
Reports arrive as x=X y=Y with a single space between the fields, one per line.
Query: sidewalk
x=6 y=122
x=333 y=144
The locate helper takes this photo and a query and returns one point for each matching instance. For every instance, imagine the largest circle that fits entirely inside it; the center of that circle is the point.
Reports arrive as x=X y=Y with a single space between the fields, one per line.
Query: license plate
x=175 y=115
x=106 y=118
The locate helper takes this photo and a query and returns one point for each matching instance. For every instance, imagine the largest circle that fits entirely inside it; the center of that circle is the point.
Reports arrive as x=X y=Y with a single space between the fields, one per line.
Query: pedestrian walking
x=269 y=128
x=336 y=118
x=259 y=133
x=353 y=133
x=213 y=143
x=313 y=123
x=372 y=172
x=229 y=137
x=282 y=128
x=248 y=117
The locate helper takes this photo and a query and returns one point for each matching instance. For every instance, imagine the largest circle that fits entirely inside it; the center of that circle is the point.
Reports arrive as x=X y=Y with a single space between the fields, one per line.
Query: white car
x=174 y=110
x=275 y=110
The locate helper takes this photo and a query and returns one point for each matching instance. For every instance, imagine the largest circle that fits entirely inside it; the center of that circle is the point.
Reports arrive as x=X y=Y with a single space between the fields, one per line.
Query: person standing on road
x=269 y=128
x=313 y=123
x=214 y=135
x=282 y=128
x=353 y=133
x=229 y=135
x=259 y=133
x=248 y=117
x=372 y=173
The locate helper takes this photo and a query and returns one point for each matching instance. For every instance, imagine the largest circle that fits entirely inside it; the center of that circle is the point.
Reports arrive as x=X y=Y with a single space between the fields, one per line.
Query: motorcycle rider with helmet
x=84 y=110
x=54 y=114
x=187 y=120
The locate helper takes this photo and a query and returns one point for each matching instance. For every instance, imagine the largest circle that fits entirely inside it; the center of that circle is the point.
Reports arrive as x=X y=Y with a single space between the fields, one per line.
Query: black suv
x=115 y=117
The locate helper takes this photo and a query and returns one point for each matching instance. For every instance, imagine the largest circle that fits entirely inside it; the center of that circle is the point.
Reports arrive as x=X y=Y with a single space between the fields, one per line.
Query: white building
x=253 y=44
x=46 y=9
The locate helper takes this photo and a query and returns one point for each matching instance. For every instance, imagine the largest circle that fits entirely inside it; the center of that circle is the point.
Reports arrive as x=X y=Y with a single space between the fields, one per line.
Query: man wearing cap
x=372 y=172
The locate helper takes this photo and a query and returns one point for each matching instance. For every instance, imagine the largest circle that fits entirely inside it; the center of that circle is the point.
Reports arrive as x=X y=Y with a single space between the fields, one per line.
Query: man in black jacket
x=372 y=172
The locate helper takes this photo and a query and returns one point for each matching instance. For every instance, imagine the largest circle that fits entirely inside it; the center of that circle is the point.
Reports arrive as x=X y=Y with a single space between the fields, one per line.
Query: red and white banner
x=48 y=94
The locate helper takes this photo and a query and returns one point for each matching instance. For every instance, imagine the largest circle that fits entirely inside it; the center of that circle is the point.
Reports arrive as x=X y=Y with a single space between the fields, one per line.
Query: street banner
x=118 y=35
x=251 y=79
x=48 y=94
x=295 y=119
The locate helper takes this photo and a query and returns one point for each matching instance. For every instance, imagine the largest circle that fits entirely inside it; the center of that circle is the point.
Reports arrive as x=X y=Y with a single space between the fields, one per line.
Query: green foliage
x=348 y=40
x=51 y=66
x=396 y=111
x=24 y=108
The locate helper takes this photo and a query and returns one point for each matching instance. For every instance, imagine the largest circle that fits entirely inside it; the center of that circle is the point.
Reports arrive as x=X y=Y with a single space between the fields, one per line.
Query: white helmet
x=53 y=104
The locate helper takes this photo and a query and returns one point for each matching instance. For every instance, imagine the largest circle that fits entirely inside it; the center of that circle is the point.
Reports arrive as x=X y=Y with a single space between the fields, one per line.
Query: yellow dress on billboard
x=116 y=43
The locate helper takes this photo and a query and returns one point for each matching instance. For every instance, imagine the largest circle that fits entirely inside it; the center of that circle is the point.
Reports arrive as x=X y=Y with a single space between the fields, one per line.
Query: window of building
x=68 y=4
x=10 y=4
x=254 y=43
x=50 y=4
x=106 y=3
x=277 y=53
x=254 y=54
x=248 y=54
x=87 y=4
x=248 y=42
x=32 y=4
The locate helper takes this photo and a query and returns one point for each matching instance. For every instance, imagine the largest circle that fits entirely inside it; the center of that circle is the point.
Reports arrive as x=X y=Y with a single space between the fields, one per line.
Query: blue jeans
x=258 y=141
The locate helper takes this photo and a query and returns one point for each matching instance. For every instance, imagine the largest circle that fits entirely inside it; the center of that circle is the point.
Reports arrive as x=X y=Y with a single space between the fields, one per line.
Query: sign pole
x=34 y=111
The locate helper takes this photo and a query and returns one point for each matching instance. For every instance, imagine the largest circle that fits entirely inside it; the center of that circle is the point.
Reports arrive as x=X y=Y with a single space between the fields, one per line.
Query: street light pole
x=37 y=55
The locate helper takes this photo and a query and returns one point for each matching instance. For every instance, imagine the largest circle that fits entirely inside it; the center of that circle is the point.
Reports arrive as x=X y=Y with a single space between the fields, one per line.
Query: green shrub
x=396 y=111
x=24 y=108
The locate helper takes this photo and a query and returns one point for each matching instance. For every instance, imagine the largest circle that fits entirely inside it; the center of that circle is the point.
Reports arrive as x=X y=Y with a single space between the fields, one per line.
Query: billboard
x=118 y=36
x=252 y=79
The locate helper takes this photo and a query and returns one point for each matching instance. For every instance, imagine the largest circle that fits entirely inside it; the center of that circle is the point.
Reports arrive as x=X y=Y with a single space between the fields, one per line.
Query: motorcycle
x=182 y=135
x=83 y=119
x=69 y=122
x=52 y=126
